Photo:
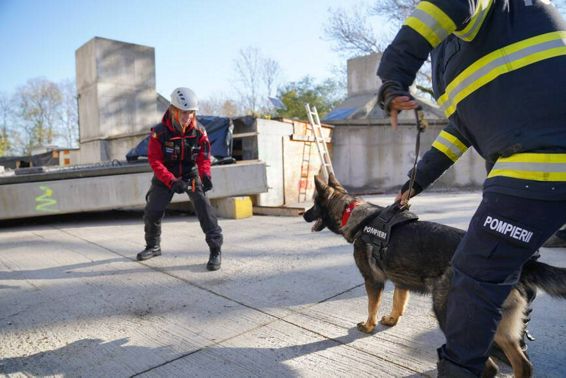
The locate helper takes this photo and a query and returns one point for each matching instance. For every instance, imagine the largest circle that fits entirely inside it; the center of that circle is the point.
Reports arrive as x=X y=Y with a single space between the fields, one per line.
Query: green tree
x=295 y=95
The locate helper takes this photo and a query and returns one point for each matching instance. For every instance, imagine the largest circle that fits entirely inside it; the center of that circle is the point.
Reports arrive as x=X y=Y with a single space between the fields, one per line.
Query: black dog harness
x=376 y=229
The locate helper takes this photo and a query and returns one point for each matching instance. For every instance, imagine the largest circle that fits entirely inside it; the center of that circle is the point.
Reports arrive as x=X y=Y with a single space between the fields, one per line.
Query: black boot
x=447 y=369
x=149 y=252
x=152 y=229
x=214 y=259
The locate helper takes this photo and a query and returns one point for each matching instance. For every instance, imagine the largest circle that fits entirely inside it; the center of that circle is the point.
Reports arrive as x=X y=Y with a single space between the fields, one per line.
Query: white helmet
x=184 y=99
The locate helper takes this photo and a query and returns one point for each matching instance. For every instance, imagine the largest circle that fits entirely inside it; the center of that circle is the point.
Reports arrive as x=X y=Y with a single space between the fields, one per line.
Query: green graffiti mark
x=44 y=202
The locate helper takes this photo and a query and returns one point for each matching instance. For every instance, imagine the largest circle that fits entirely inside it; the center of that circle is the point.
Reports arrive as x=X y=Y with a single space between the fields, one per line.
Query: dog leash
x=421 y=124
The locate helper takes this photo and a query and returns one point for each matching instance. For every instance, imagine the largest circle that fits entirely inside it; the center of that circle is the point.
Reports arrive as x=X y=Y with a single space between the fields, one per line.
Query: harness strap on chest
x=376 y=229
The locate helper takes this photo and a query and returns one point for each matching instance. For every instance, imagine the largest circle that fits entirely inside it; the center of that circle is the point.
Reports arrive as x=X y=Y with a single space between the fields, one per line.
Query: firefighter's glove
x=179 y=186
x=388 y=91
x=206 y=183
x=415 y=190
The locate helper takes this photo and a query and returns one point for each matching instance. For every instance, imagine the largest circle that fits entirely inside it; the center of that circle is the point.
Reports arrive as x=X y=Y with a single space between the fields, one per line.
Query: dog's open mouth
x=313 y=215
x=318 y=225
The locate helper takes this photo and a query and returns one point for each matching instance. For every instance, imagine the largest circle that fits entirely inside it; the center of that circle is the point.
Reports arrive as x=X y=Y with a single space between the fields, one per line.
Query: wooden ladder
x=316 y=128
x=305 y=169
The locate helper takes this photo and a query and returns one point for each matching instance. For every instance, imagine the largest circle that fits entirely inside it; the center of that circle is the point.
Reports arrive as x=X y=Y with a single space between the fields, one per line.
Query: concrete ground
x=74 y=302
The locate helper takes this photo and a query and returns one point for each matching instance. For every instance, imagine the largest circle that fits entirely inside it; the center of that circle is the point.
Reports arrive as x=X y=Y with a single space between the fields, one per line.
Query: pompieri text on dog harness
x=508 y=229
x=375 y=232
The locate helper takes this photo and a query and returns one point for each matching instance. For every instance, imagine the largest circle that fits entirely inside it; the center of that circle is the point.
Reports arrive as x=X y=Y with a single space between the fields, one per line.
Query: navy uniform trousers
x=503 y=234
x=159 y=196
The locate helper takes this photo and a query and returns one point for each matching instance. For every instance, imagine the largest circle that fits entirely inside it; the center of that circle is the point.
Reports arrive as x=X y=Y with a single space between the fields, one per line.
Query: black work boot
x=447 y=369
x=214 y=259
x=149 y=252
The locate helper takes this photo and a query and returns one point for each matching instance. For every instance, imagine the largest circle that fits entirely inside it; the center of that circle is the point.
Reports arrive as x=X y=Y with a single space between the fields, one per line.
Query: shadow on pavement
x=70 y=359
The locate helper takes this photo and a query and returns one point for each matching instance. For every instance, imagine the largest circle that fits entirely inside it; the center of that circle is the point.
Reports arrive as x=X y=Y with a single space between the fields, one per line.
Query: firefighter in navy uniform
x=501 y=82
x=179 y=154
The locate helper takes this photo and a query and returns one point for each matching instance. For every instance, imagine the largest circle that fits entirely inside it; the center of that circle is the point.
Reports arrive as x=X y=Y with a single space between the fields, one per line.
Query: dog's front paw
x=389 y=320
x=365 y=327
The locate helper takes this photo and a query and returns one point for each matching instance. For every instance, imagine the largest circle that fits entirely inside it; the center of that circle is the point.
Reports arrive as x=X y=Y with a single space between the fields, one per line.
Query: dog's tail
x=548 y=278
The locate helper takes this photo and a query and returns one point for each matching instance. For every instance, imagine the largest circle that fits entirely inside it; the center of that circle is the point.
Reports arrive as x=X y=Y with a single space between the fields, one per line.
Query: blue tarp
x=339 y=114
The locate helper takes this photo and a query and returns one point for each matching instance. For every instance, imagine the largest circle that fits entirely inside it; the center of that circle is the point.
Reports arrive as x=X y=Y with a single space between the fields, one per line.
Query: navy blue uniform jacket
x=499 y=75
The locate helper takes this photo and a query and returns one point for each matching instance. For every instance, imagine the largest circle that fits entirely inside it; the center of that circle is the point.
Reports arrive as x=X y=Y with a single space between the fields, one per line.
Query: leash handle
x=421 y=124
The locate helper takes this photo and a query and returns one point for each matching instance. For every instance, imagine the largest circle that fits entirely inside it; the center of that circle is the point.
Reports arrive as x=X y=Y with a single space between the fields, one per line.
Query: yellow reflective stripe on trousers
x=471 y=30
x=531 y=166
x=449 y=145
x=499 y=62
x=431 y=23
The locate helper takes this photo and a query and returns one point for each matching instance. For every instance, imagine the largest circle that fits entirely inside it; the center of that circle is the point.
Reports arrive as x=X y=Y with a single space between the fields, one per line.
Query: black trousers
x=504 y=233
x=157 y=199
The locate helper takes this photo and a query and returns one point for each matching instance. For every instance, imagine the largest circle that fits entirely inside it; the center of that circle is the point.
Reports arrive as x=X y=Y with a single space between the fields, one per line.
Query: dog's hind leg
x=490 y=370
x=522 y=368
x=509 y=333
x=400 y=299
x=374 y=291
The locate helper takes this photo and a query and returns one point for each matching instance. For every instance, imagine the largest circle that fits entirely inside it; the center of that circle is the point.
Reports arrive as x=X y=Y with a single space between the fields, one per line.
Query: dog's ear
x=333 y=182
x=320 y=185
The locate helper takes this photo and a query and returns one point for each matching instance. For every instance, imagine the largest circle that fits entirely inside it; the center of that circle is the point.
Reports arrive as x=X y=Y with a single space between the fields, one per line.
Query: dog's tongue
x=317 y=226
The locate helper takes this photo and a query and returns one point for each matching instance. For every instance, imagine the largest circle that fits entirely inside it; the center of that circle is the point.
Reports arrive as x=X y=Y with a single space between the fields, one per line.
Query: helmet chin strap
x=175 y=120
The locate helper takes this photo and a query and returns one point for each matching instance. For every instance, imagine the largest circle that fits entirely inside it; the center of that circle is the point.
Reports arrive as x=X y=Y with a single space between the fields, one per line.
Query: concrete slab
x=64 y=191
x=74 y=302
x=282 y=349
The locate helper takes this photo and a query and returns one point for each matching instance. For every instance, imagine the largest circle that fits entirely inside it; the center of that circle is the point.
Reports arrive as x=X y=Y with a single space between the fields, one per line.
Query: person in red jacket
x=179 y=154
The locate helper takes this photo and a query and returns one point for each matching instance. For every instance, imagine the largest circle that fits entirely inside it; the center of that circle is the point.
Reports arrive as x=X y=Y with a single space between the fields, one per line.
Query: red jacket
x=173 y=154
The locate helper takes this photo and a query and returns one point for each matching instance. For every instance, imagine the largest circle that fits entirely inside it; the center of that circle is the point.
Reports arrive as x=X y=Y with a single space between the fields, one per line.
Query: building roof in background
x=363 y=109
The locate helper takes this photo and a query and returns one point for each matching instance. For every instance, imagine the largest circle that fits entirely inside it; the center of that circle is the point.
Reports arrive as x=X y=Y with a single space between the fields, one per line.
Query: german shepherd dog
x=418 y=260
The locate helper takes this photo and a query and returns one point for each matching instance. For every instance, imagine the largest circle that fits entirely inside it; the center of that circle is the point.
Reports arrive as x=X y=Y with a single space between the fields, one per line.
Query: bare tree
x=395 y=10
x=256 y=79
x=271 y=71
x=6 y=111
x=219 y=105
x=210 y=106
x=352 y=32
x=38 y=102
x=68 y=114
x=363 y=30
x=360 y=30
x=248 y=75
x=230 y=109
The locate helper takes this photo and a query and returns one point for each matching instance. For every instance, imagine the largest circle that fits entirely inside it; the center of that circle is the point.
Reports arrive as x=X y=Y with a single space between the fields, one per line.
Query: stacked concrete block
x=117 y=97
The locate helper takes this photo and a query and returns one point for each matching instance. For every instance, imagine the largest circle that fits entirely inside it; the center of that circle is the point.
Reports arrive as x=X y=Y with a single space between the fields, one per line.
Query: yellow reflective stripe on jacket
x=471 y=30
x=431 y=23
x=499 y=62
x=531 y=166
x=449 y=145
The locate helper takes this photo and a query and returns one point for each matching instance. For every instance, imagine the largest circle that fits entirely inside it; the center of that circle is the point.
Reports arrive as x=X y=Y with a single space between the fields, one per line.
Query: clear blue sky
x=195 y=42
